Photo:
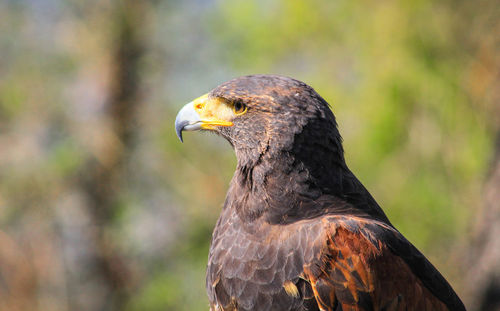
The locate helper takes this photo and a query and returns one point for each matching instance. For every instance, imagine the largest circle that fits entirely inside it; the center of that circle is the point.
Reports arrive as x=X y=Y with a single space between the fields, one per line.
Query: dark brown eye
x=239 y=108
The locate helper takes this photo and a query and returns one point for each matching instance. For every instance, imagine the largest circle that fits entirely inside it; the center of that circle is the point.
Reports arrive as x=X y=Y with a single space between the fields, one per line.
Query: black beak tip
x=179 y=127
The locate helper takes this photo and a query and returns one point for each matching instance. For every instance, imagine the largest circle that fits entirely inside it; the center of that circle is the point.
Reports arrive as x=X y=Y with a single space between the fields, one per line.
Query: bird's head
x=290 y=157
x=264 y=114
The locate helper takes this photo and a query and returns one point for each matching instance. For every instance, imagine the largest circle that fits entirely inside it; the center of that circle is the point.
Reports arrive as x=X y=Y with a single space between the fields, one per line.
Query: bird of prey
x=298 y=231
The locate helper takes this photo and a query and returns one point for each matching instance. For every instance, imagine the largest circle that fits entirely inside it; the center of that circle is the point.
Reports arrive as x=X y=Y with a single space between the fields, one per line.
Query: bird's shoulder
x=367 y=264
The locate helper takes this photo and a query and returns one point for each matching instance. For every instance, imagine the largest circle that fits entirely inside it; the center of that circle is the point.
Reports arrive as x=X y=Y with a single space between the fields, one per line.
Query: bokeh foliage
x=412 y=84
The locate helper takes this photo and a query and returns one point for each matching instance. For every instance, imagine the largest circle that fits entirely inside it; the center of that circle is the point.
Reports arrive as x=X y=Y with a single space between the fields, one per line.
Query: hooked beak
x=187 y=120
x=203 y=113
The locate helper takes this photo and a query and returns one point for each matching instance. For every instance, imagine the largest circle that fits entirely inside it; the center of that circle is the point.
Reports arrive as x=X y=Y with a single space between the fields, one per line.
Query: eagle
x=298 y=230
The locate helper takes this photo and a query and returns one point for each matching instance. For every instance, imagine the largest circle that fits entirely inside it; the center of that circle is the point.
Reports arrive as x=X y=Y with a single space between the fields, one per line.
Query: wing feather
x=368 y=265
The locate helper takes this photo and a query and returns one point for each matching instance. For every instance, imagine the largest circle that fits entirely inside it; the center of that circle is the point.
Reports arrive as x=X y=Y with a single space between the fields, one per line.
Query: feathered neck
x=282 y=181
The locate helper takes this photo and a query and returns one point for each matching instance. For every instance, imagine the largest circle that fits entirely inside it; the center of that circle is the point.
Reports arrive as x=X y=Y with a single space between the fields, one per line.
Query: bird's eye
x=239 y=108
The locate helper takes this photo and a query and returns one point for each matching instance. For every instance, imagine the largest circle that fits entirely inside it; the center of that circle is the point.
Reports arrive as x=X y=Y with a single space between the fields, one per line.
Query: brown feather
x=366 y=277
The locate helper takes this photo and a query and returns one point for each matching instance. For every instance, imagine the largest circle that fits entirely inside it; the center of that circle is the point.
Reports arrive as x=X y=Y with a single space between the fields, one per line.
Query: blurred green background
x=102 y=208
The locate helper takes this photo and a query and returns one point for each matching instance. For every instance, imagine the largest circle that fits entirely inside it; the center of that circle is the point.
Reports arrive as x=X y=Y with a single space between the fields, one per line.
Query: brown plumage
x=298 y=231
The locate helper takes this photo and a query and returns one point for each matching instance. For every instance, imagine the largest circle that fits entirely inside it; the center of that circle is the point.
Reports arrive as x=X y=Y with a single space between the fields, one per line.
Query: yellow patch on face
x=213 y=112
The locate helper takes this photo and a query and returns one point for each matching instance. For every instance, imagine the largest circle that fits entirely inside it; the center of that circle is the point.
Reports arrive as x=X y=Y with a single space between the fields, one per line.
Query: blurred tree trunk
x=17 y=275
x=105 y=176
x=481 y=39
x=483 y=281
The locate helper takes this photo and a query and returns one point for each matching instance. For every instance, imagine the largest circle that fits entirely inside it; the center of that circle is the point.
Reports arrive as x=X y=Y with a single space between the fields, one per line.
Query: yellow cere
x=213 y=112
